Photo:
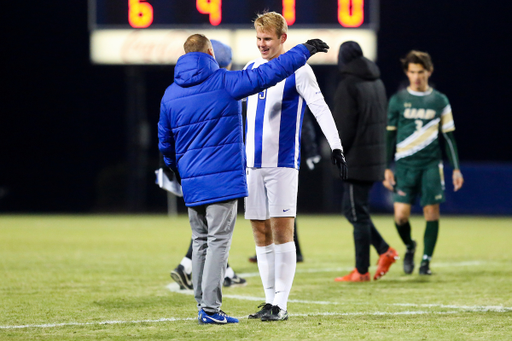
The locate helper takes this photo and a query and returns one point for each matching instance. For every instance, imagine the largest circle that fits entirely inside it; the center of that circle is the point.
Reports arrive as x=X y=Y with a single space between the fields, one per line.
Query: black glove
x=338 y=159
x=172 y=174
x=316 y=45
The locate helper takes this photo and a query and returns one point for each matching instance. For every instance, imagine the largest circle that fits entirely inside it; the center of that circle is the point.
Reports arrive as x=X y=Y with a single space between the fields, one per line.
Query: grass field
x=107 y=277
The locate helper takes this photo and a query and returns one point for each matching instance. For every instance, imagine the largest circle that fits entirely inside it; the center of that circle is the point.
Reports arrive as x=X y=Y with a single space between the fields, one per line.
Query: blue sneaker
x=219 y=317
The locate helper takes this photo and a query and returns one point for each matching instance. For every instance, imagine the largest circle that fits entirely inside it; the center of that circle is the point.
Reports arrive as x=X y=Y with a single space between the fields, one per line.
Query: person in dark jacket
x=360 y=113
x=200 y=137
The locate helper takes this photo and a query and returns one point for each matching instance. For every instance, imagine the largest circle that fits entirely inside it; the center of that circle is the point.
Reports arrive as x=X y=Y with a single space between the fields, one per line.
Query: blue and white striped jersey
x=274 y=119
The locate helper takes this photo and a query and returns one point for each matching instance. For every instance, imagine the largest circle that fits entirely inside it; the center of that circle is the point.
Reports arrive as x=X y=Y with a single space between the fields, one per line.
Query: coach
x=200 y=136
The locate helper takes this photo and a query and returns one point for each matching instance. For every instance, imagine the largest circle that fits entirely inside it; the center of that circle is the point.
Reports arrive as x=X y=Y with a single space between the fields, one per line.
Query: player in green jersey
x=417 y=116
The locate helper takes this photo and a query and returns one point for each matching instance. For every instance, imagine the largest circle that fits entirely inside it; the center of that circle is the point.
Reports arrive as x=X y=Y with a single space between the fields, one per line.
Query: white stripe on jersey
x=418 y=140
x=279 y=132
x=446 y=110
x=297 y=133
x=249 y=147
x=271 y=125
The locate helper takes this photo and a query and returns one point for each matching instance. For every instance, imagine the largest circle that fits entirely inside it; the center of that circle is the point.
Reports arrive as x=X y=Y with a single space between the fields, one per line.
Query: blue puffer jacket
x=200 y=127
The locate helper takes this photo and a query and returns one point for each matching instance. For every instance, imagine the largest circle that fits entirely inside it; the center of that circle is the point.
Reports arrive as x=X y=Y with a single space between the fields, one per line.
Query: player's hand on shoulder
x=458 y=180
x=389 y=179
x=316 y=45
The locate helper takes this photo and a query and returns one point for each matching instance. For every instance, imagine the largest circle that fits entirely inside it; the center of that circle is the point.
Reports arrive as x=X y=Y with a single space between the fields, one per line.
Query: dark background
x=63 y=127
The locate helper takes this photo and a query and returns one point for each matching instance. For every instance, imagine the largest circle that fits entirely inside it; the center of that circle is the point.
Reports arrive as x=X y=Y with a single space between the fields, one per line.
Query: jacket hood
x=361 y=67
x=193 y=68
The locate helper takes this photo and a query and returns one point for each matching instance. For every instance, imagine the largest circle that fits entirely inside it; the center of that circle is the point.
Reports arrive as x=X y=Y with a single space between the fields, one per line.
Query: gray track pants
x=212 y=229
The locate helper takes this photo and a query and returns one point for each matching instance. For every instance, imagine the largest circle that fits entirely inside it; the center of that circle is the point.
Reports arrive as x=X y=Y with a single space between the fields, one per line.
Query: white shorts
x=272 y=193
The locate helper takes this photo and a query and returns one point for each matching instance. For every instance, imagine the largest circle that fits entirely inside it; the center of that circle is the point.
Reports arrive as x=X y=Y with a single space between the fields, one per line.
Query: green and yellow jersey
x=418 y=118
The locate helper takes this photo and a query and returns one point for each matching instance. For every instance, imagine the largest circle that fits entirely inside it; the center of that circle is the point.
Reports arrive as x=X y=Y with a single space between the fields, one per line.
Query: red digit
x=211 y=7
x=351 y=13
x=140 y=14
x=289 y=11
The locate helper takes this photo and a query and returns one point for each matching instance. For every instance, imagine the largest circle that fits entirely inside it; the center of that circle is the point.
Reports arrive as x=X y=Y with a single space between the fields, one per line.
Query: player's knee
x=431 y=212
x=401 y=219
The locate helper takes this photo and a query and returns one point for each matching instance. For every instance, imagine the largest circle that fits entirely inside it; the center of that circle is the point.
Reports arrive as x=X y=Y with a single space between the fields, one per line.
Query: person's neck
x=419 y=89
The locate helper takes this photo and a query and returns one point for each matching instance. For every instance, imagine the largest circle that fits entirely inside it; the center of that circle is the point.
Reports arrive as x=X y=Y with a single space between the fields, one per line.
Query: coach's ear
x=211 y=52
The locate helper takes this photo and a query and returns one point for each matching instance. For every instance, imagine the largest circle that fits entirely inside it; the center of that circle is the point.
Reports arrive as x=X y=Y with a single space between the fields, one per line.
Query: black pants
x=356 y=208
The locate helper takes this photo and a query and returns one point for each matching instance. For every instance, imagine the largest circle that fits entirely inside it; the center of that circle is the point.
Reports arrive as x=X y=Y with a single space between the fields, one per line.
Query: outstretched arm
x=244 y=83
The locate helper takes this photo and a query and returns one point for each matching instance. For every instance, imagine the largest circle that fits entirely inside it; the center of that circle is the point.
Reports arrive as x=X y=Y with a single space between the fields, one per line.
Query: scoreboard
x=153 y=31
x=138 y=14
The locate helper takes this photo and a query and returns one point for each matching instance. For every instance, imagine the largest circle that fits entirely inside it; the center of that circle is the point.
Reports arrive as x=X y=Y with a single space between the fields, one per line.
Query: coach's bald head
x=198 y=43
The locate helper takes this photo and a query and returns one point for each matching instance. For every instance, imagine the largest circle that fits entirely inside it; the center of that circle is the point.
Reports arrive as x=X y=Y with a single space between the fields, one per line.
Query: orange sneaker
x=385 y=261
x=354 y=276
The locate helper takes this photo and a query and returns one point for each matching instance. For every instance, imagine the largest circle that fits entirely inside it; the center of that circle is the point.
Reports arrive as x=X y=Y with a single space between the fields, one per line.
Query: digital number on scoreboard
x=222 y=13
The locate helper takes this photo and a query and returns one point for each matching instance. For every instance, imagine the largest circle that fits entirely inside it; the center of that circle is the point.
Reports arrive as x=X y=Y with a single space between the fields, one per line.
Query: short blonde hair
x=268 y=21
x=197 y=43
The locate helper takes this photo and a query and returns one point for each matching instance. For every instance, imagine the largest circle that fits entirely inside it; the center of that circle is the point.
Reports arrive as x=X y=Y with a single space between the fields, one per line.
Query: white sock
x=229 y=272
x=187 y=264
x=286 y=262
x=266 y=266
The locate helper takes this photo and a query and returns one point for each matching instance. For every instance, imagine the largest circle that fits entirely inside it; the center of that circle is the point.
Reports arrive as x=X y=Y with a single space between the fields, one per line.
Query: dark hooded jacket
x=360 y=106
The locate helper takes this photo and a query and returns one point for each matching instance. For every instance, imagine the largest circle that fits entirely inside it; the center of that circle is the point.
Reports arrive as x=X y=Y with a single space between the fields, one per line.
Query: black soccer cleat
x=409 y=259
x=267 y=308
x=276 y=314
x=234 y=282
x=425 y=268
x=182 y=278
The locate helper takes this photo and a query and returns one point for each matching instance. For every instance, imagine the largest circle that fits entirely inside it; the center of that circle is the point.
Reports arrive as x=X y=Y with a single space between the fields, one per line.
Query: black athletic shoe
x=300 y=259
x=425 y=268
x=267 y=308
x=234 y=282
x=409 y=259
x=180 y=277
x=276 y=314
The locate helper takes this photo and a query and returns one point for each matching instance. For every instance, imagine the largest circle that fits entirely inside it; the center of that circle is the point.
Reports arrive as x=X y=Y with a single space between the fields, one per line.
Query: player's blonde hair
x=268 y=21
x=197 y=43
x=417 y=57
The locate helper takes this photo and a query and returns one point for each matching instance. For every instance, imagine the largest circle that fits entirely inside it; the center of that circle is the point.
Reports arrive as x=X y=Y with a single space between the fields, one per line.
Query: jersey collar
x=419 y=93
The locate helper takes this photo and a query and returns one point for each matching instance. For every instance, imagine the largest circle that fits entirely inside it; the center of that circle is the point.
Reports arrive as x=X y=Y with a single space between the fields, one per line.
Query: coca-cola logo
x=153 y=47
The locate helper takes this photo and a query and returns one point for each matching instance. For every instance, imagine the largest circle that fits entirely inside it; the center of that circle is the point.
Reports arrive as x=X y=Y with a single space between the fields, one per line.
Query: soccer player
x=312 y=155
x=417 y=116
x=274 y=118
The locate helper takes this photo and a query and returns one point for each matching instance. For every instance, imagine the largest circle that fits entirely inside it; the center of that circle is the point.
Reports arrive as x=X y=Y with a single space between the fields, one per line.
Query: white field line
x=473 y=308
x=49 y=325
x=379 y=313
x=173 y=287
x=435 y=265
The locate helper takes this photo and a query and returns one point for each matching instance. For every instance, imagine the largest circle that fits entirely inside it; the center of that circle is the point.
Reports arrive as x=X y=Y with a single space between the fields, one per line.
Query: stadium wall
x=487 y=190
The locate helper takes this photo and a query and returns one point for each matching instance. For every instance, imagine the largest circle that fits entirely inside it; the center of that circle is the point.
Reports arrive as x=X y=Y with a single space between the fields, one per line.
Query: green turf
x=74 y=273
